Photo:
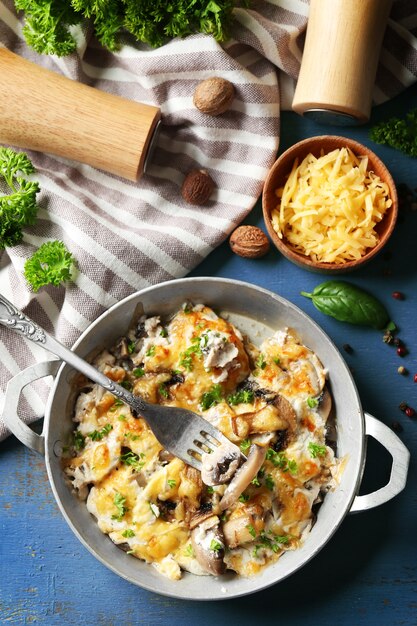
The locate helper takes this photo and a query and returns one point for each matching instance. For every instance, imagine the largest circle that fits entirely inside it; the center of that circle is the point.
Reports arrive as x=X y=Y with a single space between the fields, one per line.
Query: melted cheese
x=143 y=498
x=330 y=205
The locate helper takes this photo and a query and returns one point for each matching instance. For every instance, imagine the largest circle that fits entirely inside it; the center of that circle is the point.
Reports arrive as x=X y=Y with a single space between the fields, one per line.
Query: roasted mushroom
x=219 y=466
x=208 y=543
x=241 y=529
x=243 y=476
x=325 y=404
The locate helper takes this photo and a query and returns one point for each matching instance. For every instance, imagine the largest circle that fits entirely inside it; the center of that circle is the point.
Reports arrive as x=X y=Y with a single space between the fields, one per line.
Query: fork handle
x=15 y=320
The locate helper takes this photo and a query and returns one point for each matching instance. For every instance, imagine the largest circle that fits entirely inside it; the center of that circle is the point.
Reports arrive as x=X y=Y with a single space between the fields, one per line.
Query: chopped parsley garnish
x=260 y=362
x=138 y=372
x=276 y=360
x=132 y=436
x=128 y=533
x=280 y=460
x=257 y=480
x=244 y=497
x=126 y=384
x=171 y=483
x=119 y=501
x=164 y=332
x=131 y=347
x=245 y=396
x=245 y=445
x=189 y=550
x=163 y=391
x=97 y=435
x=210 y=489
x=121 y=417
x=211 y=398
x=187 y=362
x=316 y=449
x=251 y=530
x=150 y=351
x=270 y=542
x=79 y=440
x=312 y=402
x=186 y=357
x=133 y=459
x=215 y=545
x=269 y=482
x=117 y=402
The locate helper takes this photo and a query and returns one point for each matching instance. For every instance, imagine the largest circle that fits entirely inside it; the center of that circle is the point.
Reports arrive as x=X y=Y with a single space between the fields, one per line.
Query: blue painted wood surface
x=365 y=575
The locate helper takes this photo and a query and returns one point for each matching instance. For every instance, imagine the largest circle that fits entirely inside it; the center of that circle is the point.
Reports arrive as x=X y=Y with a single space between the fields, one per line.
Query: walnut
x=197 y=187
x=249 y=241
x=214 y=95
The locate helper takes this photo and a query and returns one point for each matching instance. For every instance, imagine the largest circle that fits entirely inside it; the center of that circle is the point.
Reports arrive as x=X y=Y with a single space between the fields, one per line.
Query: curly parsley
x=48 y=22
x=51 y=264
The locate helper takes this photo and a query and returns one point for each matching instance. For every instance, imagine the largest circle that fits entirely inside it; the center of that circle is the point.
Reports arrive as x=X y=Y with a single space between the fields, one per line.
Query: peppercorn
x=403 y=406
x=388 y=337
x=396 y=426
x=415 y=378
x=397 y=342
x=348 y=348
x=401 y=351
x=397 y=295
x=410 y=412
x=402 y=370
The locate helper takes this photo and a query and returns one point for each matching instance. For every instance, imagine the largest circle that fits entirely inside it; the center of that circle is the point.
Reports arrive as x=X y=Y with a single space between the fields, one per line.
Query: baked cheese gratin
x=271 y=400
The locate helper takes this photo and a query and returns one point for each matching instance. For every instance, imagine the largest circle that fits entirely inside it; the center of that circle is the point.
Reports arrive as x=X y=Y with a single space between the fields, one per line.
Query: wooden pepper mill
x=340 y=60
x=41 y=110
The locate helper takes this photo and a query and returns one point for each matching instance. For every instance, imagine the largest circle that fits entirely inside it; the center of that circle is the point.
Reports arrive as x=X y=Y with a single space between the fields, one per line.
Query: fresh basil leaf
x=348 y=303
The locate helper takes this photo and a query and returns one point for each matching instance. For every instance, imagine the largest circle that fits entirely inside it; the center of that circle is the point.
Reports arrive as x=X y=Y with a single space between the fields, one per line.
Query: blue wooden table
x=366 y=574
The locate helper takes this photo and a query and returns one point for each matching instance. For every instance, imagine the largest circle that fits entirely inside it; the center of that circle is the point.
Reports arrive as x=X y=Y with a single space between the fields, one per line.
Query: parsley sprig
x=48 y=22
x=119 y=501
x=280 y=460
x=136 y=461
x=18 y=205
x=211 y=398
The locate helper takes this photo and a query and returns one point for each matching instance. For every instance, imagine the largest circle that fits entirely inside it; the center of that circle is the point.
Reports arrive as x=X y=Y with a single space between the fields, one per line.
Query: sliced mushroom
x=277 y=415
x=325 y=404
x=219 y=466
x=189 y=491
x=203 y=513
x=286 y=412
x=241 y=529
x=243 y=476
x=208 y=542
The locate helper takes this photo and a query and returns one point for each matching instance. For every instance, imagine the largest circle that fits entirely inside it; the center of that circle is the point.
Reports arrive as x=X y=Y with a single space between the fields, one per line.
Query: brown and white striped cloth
x=127 y=236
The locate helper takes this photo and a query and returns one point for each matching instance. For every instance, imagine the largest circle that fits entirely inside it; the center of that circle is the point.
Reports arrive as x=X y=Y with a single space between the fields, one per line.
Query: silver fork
x=182 y=432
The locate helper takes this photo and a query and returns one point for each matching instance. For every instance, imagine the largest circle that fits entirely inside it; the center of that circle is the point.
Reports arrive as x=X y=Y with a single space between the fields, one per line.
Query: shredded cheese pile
x=330 y=205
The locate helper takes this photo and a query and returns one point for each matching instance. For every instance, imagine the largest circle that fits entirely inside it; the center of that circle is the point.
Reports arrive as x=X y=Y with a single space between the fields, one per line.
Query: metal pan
x=257 y=312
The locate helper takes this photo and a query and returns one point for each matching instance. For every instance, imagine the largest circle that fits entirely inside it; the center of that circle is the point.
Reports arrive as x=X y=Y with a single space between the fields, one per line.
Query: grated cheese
x=330 y=205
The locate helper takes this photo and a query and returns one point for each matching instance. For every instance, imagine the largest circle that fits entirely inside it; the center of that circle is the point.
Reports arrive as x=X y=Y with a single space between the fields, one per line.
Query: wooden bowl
x=278 y=175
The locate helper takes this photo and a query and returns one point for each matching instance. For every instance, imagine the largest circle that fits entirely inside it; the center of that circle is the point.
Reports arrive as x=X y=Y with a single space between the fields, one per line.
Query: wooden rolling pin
x=340 y=60
x=41 y=110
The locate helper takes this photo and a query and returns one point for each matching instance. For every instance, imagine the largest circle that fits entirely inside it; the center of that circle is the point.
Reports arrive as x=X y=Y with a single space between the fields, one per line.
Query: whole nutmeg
x=197 y=187
x=214 y=95
x=249 y=241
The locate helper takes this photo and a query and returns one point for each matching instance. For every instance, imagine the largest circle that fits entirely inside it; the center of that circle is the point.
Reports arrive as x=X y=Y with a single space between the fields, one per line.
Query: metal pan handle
x=14 y=389
x=400 y=461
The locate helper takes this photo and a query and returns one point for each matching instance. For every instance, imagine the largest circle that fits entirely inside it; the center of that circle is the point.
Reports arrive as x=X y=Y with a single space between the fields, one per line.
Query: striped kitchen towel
x=127 y=236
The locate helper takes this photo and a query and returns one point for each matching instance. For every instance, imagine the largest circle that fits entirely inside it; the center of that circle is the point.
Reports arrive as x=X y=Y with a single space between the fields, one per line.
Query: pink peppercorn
x=397 y=295
x=401 y=350
x=410 y=412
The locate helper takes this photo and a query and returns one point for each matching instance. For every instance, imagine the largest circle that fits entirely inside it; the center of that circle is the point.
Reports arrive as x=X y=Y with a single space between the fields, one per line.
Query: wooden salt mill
x=340 y=60
x=41 y=110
